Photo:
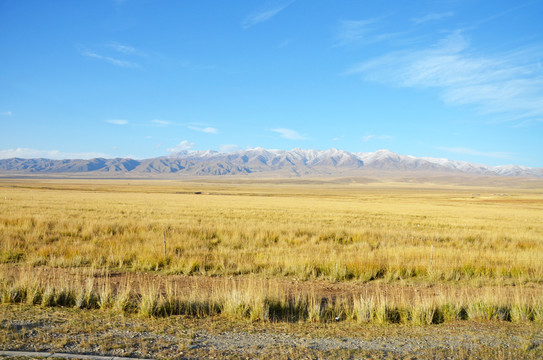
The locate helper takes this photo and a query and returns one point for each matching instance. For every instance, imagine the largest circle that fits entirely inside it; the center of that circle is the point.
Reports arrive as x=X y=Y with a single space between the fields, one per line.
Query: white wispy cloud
x=516 y=6
x=509 y=84
x=7 y=113
x=367 y=138
x=468 y=151
x=125 y=49
x=29 y=153
x=182 y=146
x=111 y=60
x=361 y=32
x=432 y=17
x=208 y=129
x=158 y=122
x=263 y=15
x=227 y=148
x=353 y=30
x=117 y=122
x=115 y=53
x=289 y=134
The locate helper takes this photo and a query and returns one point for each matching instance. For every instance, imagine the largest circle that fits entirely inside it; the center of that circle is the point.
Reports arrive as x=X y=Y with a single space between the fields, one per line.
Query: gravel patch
x=86 y=333
x=250 y=343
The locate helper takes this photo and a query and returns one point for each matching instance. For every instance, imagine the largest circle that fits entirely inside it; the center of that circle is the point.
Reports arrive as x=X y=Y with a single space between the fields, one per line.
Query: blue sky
x=460 y=79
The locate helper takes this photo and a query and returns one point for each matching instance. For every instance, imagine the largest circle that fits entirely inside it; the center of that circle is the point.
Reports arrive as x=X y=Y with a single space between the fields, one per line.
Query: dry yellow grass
x=265 y=300
x=332 y=231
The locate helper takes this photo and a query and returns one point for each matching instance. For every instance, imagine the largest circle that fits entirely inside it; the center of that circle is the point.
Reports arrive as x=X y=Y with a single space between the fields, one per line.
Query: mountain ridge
x=295 y=162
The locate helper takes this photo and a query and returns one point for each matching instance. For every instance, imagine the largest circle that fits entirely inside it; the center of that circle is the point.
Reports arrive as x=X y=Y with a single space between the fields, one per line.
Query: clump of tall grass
x=363 y=309
x=148 y=303
x=87 y=297
x=256 y=302
x=123 y=301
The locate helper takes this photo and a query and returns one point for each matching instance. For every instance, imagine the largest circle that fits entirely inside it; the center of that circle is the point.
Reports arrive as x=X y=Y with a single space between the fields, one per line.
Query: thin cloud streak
x=118 y=122
x=111 y=60
x=126 y=49
x=506 y=84
x=262 y=16
x=208 y=130
x=160 y=122
x=432 y=17
x=289 y=134
x=360 y=32
x=506 y=12
x=110 y=53
x=353 y=30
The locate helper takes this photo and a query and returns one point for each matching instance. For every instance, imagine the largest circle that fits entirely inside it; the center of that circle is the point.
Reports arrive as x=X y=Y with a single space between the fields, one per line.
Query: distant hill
x=296 y=162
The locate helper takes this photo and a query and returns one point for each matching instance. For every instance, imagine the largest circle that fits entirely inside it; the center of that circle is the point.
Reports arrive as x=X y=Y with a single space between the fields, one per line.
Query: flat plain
x=322 y=267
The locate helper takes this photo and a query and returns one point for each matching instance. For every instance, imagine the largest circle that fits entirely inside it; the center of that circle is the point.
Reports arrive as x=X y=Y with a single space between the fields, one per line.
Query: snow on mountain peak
x=297 y=161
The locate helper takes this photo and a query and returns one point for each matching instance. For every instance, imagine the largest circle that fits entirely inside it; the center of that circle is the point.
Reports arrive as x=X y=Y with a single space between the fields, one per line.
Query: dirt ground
x=98 y=332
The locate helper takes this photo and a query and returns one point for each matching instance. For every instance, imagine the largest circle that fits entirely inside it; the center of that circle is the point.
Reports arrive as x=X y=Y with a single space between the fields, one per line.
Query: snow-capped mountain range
x=296 y=162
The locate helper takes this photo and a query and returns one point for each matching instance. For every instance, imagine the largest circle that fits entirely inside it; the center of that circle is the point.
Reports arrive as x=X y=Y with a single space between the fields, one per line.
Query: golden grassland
x=333 y=232
x=366 y=233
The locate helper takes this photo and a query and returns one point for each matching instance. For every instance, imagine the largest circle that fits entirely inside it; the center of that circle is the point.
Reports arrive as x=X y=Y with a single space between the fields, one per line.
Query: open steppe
x=452 y=269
